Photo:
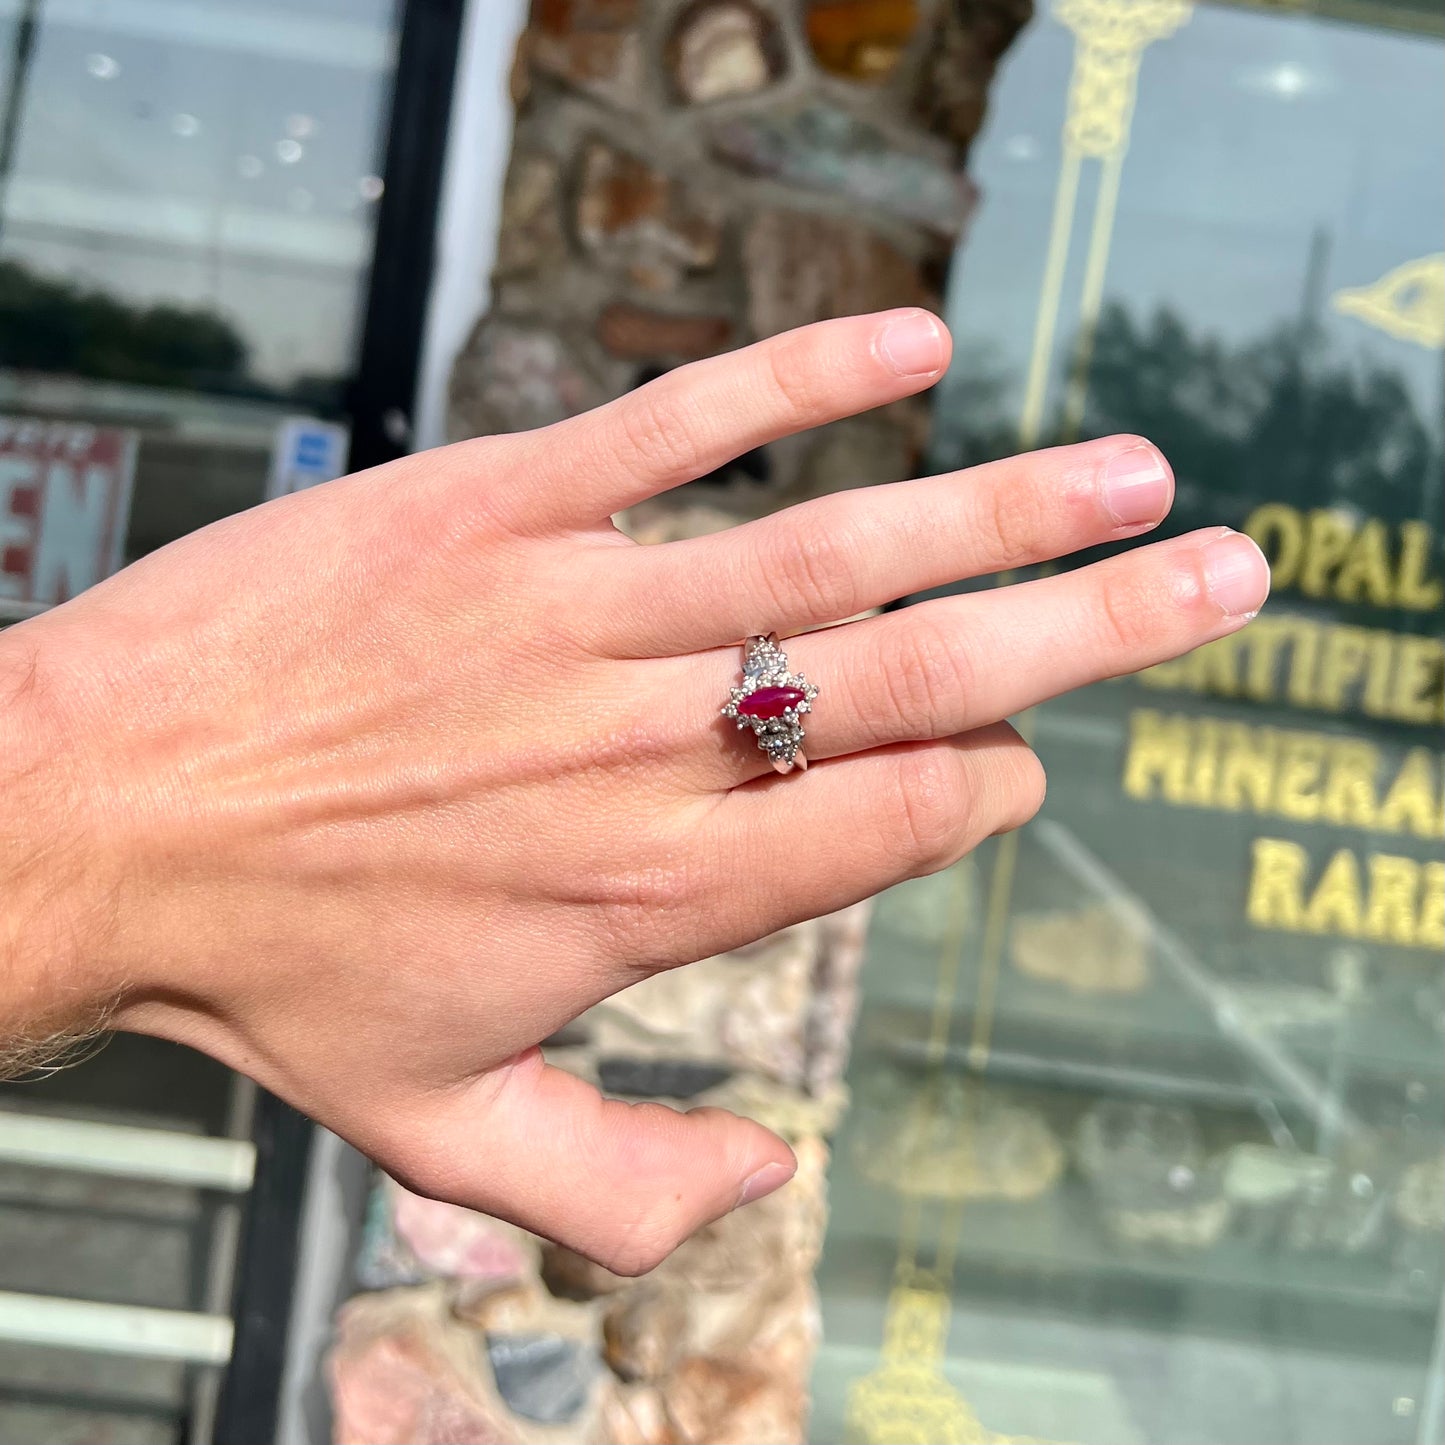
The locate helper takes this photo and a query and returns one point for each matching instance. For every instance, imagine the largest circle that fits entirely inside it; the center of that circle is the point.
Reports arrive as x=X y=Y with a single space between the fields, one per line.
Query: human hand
x=370 y=789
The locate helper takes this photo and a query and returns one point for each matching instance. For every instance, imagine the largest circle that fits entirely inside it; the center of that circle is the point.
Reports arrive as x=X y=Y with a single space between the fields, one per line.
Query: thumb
x=623 y=1184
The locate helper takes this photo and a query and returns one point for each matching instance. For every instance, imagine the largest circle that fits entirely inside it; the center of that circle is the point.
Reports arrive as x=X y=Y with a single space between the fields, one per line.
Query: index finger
x=699 y=417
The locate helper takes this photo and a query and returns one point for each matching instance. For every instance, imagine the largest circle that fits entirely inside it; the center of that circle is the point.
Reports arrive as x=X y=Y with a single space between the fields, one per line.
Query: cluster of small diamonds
x=765 y=664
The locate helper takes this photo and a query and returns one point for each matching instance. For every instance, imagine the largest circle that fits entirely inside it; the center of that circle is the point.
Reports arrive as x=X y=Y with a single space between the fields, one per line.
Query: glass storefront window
x=186 y=221
x=1148 y=1131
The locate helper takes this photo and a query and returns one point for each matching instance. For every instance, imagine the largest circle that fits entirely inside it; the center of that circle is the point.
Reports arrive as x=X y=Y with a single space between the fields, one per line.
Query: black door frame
x=381 y=405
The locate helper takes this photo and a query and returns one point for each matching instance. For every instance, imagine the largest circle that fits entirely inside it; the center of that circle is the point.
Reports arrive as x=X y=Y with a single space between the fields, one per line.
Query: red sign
x=64 y=503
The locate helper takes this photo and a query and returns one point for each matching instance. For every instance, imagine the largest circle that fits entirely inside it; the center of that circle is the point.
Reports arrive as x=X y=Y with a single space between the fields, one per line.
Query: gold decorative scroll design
x=1111 y=37
x=1407 y=303
x=907 y=1400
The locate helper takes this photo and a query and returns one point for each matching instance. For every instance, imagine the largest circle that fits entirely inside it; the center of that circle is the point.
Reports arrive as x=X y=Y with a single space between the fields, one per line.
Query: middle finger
x=837 y=556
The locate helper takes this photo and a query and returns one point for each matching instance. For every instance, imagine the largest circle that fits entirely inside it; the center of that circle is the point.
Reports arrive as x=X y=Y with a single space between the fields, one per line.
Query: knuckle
x=656 y=1219
x=1121 y=609
x=1030 y=787
x=649 y=1241
x=799 y=382
x=637 y=910
x=926 y=678
x=658 y=434
x=812 y=570
x=930 y=814
x=1017 y=521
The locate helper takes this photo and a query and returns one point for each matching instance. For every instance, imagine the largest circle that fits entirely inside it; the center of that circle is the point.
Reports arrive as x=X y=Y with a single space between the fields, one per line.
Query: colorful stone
x=531 y=239
x=958 y=63
x=396 y=1377
x=636 y=221
x=514 y=377
x=642 y=1078
x=635 y=333
x=544 y=1378
x=861 y=39
x=723 y=48
x=643 y=1333
x=824 y=148
x=801 y=268
x=592 y=45
x=409 y=1239
x=771 y=702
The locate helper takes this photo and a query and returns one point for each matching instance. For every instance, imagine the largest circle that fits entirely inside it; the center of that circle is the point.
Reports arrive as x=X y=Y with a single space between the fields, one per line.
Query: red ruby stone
x=770 y=702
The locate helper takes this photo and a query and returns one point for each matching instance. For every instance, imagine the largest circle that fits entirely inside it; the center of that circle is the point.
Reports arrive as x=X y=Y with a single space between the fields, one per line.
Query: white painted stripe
x=160 y=1155
x=72 y=1324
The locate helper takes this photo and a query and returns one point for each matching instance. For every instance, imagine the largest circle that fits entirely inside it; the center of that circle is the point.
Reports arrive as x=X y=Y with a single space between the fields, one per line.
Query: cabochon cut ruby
x=770 y=702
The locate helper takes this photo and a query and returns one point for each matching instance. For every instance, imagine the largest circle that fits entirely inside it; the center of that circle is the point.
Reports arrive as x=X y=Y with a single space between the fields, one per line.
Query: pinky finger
x=803 y=845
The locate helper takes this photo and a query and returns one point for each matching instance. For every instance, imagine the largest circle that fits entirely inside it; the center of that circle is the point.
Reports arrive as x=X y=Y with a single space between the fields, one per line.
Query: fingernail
x=764 y=1181
x=912 y=344
x=1138 y=487
x=1236 y=575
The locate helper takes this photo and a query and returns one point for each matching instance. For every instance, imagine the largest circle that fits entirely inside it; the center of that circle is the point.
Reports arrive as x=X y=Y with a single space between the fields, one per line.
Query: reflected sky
x=1254 y=134
x=222 y=155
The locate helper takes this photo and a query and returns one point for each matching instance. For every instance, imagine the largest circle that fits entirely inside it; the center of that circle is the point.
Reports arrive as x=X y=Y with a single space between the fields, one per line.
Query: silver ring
x=771 y=700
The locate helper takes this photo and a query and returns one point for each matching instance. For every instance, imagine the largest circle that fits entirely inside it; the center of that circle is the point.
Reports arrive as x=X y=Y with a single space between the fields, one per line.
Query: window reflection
x=1148 y=1132
x=188 y=211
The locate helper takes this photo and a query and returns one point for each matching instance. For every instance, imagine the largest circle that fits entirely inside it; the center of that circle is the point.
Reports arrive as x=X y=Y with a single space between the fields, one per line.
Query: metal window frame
x=383 y=397
x=381 y=405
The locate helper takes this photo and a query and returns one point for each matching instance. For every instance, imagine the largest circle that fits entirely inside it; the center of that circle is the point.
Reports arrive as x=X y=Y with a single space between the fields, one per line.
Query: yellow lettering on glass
x=1394 y=884
x=1327 y=543
x=1414 y=803
x=1396 y=900
x=1416 y=589
x=1297 y=788
x=1366 y=575
x=1158 y=753
x=1323 y=666
x=1304 y=776
x=1349 y=796
x=1281 y=536
x=1418 y=695
x=1246 y=773
x=1342 y=665
x=1276 y=885
x=1335 y=907
x=1430 y=932
x=1331 y=553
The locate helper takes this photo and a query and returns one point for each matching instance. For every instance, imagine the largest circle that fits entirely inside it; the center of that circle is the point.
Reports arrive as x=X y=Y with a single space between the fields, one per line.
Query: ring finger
x=957 y=663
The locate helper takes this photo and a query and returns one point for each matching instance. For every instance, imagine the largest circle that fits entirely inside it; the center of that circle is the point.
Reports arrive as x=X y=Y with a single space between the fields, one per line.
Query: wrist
x=55 y=888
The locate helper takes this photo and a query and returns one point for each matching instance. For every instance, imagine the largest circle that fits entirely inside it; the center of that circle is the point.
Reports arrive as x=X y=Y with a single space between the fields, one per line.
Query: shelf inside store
x=1060 y=1242
x=1162 y=1040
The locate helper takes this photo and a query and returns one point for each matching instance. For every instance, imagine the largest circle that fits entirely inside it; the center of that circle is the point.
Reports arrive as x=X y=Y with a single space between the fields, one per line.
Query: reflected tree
x=53 y=325
x=971 y=420
x=1276 y=418
x=50 y=324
